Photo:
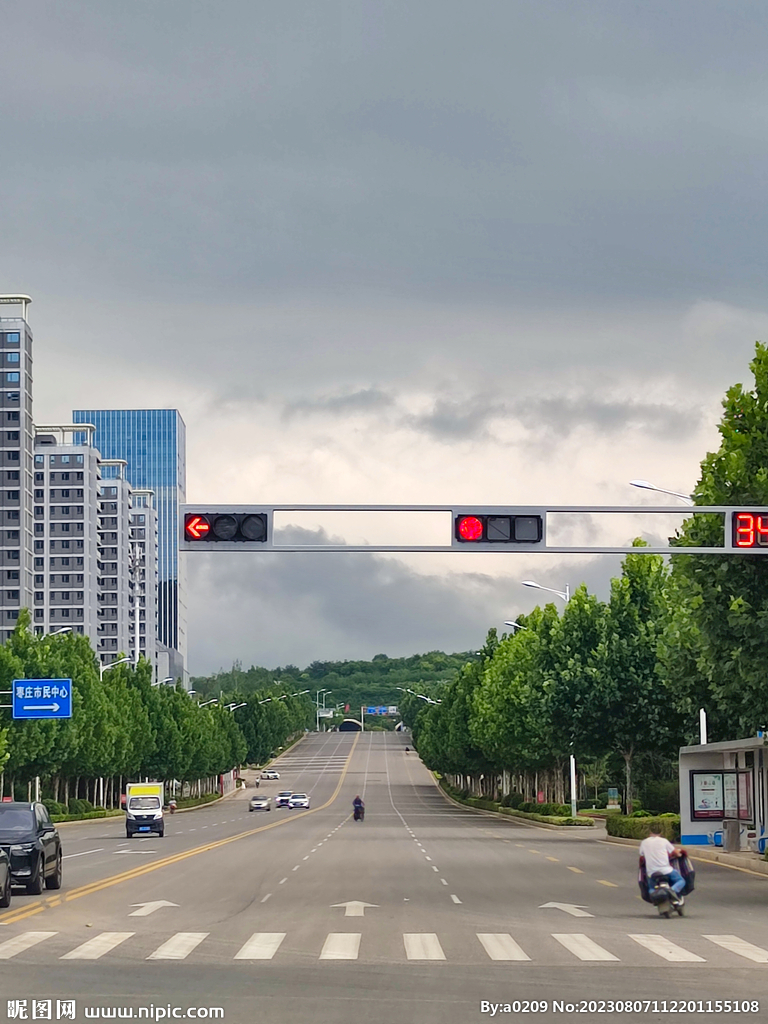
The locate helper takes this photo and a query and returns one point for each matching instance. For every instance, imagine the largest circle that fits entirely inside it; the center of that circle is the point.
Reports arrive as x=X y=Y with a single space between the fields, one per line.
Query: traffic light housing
x=232 y=528
x=491 y=529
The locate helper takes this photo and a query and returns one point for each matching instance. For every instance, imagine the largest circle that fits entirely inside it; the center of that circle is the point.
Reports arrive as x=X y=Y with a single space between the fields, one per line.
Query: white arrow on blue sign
x=42 y=698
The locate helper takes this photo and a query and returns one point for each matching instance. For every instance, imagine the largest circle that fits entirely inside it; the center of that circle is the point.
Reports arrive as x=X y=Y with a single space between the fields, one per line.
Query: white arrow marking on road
x=41 y=707
x=145 y=909
x=570 y=908
x=354 y=908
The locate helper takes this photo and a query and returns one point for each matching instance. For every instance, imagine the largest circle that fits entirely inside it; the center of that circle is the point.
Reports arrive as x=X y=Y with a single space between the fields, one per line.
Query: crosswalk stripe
x=260 y=946
x=501 y=947
x=341 y=946
x=662 y=947
x=741 y=947
x=21 y=942
x=423 y=946
x=583 y=947
x=97 y=946
x=178 y=946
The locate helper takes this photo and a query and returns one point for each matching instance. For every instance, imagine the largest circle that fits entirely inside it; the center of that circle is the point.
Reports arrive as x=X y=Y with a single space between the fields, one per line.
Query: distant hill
x=351 y=682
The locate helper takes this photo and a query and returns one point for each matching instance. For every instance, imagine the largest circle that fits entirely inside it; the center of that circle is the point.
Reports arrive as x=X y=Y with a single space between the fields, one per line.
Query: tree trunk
x=627 y=755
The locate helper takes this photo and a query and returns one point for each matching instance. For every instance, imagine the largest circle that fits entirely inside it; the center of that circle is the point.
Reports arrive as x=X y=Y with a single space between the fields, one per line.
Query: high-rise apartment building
x=16 y=439
x=153 y=444
x=144 y=564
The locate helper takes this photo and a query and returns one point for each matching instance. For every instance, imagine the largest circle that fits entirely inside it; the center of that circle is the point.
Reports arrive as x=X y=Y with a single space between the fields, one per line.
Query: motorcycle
x=359 y=814
x=172 y=806
x=658 y=891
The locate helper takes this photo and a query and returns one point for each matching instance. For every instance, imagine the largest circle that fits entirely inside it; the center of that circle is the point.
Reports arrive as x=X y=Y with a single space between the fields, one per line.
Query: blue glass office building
x=153 y=443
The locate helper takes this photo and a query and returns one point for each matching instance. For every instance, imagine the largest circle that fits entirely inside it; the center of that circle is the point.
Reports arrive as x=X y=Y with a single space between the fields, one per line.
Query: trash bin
x=732 y=835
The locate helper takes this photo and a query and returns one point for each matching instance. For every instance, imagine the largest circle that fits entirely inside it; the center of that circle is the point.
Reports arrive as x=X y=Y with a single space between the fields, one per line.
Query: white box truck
x=144 y=809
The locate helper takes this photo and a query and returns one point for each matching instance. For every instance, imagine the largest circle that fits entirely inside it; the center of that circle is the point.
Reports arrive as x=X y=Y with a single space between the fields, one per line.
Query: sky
x=374 y=252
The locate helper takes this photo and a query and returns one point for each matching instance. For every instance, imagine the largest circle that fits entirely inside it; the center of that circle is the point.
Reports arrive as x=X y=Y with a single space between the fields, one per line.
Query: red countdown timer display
x=750 y=530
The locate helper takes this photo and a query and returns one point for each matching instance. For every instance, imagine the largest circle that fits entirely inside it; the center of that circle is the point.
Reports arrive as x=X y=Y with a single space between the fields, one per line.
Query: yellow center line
x=602 y=881
x=534 y=851
x=86 y=890
x=555 y=859
x=577 y=870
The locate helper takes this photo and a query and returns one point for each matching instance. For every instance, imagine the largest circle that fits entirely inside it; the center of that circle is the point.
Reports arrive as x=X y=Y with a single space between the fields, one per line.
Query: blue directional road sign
x=42 y=698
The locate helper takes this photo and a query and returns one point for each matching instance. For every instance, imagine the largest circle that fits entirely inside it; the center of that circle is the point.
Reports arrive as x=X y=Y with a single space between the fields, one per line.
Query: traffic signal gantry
x=496 y=528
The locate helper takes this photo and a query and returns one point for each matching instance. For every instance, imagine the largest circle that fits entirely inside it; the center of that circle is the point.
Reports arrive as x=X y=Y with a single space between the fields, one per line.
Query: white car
x=298 y=800
x=270 y=773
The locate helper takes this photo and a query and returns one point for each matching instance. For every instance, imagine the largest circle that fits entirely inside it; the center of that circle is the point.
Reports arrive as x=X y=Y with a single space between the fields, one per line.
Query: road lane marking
x=87 y=890
x=603 y=881
x=179 y=946
x=455 y=898
x=423 y=946
x=97 y=946
x=296 y=867
x=260 y=946
x=443 y=881
x=534 y=851
x=21 y=942
x=83 y=853
x=434 y=868
x=428 y=858
x=740 y=947
x=555 y=859
x=341 y=946
x=667 y=950
x=577 y=870
x=583 y=947
x=305 y=858
x=501 y=947
x=266 y=897
x=282 y=881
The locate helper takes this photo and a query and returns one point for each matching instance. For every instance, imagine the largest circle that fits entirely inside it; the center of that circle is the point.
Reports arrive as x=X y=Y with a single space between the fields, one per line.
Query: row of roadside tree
x=620 y=683
x=125 y=728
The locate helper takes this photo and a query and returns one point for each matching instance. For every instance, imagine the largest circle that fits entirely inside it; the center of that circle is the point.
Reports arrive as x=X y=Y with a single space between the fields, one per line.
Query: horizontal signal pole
x=497 y=528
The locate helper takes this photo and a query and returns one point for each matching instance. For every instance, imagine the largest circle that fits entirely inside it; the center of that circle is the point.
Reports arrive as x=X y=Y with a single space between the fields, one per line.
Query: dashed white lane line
x=428 y=858
x=296 y=867
x=435 y=868
x=443 y=881
x=455 y=898
x=282 y=881
x=84 y=853
x=306 y=858
x=266 y=897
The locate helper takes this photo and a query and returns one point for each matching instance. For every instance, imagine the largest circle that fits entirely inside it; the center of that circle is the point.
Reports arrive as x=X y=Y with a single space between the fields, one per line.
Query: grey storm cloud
x=367 y=400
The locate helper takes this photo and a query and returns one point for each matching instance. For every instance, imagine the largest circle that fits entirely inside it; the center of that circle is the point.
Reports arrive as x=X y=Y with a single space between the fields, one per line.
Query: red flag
x=346 y=707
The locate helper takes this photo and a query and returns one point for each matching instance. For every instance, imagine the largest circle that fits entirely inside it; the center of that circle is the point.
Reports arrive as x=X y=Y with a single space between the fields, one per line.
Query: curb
x=509 y=818
x=726 y=860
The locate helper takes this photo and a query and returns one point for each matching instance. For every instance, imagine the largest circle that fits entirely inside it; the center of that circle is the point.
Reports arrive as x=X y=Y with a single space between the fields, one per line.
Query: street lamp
x=234 y=707
x=299 y=693
x=565 y=595
x=662 y=490
x=60 y=630
x=265 y=701
x=168 y=679
x=213 y=700
x=515 y=625
x=112 y=664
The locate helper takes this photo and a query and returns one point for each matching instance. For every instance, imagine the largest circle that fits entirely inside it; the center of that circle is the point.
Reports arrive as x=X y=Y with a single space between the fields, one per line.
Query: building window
x=65 y=578
x=39 y=613
x=12 y=495
x=79 y=460
x=64 y=527
x=65 y=508
x=39 y=563
x=13 y=514
x=13 y=574
x=13 y=396
x=39 y=495
x=13 y=595
x=40 y=509
x=12 y=615
x=65 y=460
x=39 y=527
x=65 y=544
x=12 y=456
x=65 y=561
x=65 y=595
x=39 y=478
x=13 y=435
x=65 y=476
x=13 y=338
x=38 y=545
x=39 y=461
x=39 y=580
x=12 y=534
x=12 y=474
x=65 y=493
x=64 y=612
x=12 y=357
x=12 y=378
x=12 y=417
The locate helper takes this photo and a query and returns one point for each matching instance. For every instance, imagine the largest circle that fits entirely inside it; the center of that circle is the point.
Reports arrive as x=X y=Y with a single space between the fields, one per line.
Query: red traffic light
x=196 y=527
x=469 y=528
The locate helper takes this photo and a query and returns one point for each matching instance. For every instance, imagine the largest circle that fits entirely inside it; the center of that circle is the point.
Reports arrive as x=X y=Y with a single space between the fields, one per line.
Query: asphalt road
x=420 y=913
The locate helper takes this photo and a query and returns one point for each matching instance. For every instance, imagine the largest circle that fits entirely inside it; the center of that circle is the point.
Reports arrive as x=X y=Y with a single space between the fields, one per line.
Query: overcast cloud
x=376 y=252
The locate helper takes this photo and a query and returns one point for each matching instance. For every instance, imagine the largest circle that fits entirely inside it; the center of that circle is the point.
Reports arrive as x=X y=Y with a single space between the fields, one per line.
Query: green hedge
x=491 y=805
x=638 y=828
x=101 y=813
x=197 y=801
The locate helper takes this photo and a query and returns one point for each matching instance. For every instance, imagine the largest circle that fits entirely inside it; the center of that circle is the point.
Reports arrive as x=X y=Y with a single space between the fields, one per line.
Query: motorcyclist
x=407 y=749
x=657 y=853
x=172 y=805
x=358 y=807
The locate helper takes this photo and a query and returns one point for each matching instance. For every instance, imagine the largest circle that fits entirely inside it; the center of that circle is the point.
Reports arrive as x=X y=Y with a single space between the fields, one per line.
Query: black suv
x=32 y=843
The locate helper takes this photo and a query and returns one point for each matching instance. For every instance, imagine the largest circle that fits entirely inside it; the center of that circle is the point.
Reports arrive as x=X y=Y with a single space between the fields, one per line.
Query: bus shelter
x=723 y=794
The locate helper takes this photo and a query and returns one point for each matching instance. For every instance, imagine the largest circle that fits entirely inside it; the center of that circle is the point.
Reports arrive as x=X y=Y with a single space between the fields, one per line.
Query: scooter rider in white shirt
x=656 y=850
